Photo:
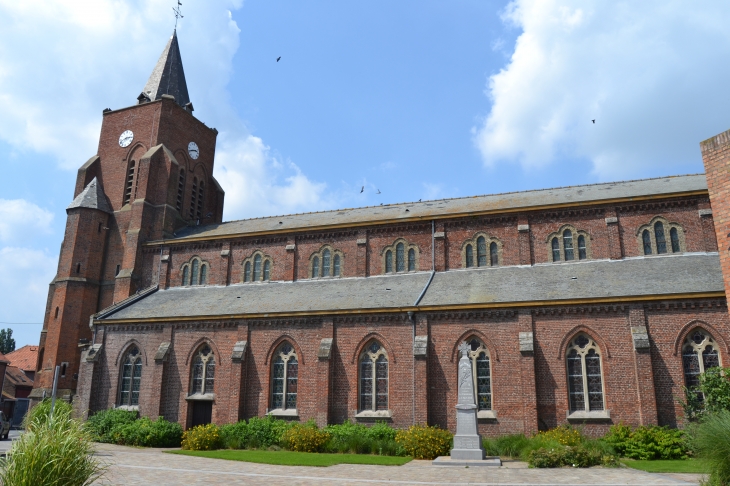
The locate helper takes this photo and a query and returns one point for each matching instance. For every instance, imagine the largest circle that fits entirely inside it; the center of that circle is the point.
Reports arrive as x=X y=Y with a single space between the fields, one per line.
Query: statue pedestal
x=467 y=443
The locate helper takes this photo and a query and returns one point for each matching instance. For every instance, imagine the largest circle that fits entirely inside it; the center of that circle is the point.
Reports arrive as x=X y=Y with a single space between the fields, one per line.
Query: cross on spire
x=178 y=15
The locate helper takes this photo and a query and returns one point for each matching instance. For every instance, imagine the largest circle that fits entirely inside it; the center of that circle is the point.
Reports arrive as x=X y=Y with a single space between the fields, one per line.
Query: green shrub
x=235 y=436
x=647 y=443
x=564 y=435
x=265 y=432
x=573 y=456
x=381 y=431
x=55 y=452
x=305 y=438
x=506 y=445
x=101 y=424
x=424 y=442
x=144 y=432
x=202 y=438
x=710 y=439
x=712 y=395
x=360 y=439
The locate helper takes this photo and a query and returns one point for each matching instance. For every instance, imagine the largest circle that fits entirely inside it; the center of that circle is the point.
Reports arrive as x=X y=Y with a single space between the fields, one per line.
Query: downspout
x=412 y=318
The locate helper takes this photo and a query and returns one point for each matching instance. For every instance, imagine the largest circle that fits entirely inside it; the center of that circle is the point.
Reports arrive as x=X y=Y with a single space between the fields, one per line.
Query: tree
x=7 y=343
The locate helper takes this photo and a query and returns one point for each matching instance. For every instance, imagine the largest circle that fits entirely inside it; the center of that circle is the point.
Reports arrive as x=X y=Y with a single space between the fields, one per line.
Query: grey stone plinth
x=467 y=443
x=467 y=454
x=450 y=461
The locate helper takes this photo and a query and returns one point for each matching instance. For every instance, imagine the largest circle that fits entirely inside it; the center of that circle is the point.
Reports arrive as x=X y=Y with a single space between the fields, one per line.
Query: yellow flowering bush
x=565 y=435
x=305 y=438
x=202 y=438
x=424 y=442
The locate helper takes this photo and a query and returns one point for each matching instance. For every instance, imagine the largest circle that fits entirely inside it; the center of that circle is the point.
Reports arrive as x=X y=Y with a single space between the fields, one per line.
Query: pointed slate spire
x=92 y=197
x=168 y=76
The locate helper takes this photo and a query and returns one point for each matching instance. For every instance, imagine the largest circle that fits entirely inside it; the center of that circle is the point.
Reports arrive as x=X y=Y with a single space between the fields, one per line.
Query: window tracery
x=585 y=378
x=257 y=267
x=373 y=378
x=568 y=244
x=202 y=381
x=327 y=262
x=481 y=250
x=699 y=353
x=400 y=257
x=652 y=237
x=481 y=371
x=131 y=378
x=284 y=378
x=195 y=272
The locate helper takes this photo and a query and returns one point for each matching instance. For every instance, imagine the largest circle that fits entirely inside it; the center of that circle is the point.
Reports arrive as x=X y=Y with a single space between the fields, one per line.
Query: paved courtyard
x=130 y=466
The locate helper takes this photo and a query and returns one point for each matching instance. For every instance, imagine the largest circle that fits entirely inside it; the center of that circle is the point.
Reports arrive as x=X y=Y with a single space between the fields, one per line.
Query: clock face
x=126 y=138
x=193 y=150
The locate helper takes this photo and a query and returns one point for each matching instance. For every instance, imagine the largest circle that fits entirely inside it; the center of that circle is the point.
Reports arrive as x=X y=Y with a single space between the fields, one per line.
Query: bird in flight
x=278 y=59
x=361 y=190
x=594 y=121
x=419 y=200
x=378 y=191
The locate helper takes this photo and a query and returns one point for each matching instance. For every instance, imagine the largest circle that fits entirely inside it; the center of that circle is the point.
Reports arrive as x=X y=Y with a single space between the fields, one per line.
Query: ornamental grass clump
x=424 y=442
x=53 y=451
x=305 y=438
x=202 y=438
x=360 y=439
x=710 y=439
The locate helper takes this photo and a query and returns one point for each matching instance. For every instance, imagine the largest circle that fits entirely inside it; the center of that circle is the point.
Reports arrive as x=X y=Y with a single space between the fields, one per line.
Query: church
x=591 y=305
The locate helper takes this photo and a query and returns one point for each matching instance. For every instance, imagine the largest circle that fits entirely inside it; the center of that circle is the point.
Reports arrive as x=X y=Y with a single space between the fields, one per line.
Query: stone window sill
x=486 y=414
x=600 y=415
x=279 y=412
x=129 y=408
x=366 y=414
x=204 y=397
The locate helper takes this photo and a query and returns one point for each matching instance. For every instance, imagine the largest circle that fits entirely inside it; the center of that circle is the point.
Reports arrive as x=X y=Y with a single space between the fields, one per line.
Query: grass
x=289 y=458
x=697 y=466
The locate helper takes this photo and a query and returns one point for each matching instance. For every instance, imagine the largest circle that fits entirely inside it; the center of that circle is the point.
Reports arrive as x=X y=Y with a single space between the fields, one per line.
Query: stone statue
x=467 y=443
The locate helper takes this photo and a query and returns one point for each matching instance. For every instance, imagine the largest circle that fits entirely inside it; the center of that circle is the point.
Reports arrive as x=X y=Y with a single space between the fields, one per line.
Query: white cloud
x=62 y=62
x=22 y=221
x=652 y=74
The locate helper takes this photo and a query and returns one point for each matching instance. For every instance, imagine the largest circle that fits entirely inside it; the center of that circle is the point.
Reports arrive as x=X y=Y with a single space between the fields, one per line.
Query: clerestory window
x=661 y=236
x=195 y=272
x=257 y=268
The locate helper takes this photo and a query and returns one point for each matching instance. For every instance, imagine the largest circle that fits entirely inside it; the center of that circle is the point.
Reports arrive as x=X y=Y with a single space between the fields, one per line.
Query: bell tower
x=151 y=176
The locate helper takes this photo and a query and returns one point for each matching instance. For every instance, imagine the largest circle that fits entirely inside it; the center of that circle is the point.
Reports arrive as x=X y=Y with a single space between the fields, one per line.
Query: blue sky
x=418 y=99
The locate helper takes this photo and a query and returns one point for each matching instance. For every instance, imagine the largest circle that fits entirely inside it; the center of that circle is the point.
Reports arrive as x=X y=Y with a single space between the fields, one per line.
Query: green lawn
x=288 y=458
x=668 y=466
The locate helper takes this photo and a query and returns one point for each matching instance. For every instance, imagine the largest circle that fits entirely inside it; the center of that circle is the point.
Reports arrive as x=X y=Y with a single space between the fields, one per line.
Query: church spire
x=168 y=77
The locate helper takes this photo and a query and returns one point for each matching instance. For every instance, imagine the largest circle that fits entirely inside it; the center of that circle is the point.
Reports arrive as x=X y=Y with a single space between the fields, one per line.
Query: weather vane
x=178 y=15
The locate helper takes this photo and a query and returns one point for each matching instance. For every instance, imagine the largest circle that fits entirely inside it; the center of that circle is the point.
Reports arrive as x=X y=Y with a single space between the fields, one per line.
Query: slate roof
x=426 y=210
x=693 y=273
x=168 y=76
x=24 y=358
x=92 y=197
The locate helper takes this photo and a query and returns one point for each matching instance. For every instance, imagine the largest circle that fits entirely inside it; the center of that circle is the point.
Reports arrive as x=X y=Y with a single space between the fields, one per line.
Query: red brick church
x=590 y=304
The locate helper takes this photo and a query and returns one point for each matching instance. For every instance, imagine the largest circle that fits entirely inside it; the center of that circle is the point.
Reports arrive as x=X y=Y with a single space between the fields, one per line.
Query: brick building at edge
x=593 y=304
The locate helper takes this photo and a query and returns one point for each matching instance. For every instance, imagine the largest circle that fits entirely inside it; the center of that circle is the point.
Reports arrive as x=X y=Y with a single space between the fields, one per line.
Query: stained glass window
x=203 y=372
x=247 y=272
x=469 y=256
x=186 y=275
x=388 y=261
x=257 y=268
x=131 y=377
x=699 y=353
x=674 y=237
x=284 y=378
x=568 y=245
x=493 y=254
x=336 y=266
x=661 y=242
x=315 y=267
x=411 y=260
x=326 y=263
x=194 y=273
x=646 y=239
x=581 y=247
x=556 y=249
x=400 y=263
x=479 y=356
x=267 y=269
x=203 y=274
x=481 y=252
x=374 y=378
x=585 y=378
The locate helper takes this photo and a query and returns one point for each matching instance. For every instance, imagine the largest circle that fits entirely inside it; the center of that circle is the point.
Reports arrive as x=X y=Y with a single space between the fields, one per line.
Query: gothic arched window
x=481 y=252
x=493 y=254
x=267 y=269
x=195 y=272
x=326 y=263
x=186 y=275
x=585 y=381
x=284 y=377
x=130 y=378
x=581 y=247
x=400 y=265
x=388 y=261
x=203 y=274
x=469 y=256
x=203 y=372
x=481 y=371
x=652 y=237
x=411 y=260
x=674 y=237
x=315 y=267
x=699 y=353
x=257 y=268
x=373 y=378
x=247 y=272
x=568 y=245
x=556 y=249
x=646 y=239
x=661 y=242
x=336 y=270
